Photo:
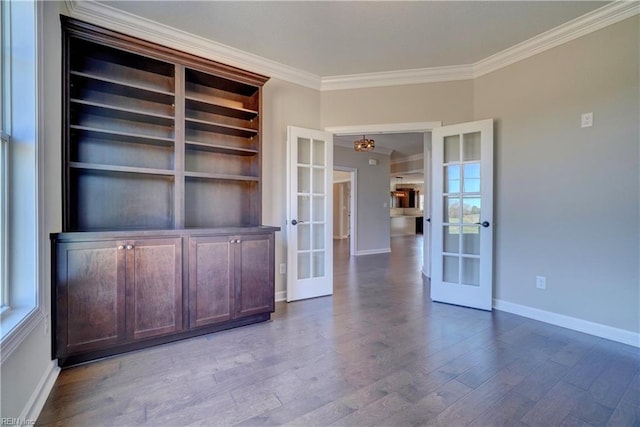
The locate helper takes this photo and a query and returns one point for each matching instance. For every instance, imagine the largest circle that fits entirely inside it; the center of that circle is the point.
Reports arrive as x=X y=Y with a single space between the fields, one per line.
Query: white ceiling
x=330 y=38
x=344 y=38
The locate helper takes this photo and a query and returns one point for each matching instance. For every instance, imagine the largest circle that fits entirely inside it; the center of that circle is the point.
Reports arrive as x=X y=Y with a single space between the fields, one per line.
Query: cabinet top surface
x=130 y=234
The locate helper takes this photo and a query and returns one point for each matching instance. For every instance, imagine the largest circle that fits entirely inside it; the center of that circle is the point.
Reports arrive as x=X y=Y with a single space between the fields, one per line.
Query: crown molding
x=118 y=20
x=396 y=78
x=125 y=22
x=609 y=14
x=588 y=23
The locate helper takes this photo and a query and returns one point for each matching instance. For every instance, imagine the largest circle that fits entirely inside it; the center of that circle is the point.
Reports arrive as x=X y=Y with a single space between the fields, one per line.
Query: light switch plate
x=586 y=120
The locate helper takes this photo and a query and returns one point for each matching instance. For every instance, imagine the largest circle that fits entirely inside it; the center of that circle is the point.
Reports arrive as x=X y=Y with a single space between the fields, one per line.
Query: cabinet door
x=210 y=280
x=90 y=311
x=254 y=260
x=154 y=287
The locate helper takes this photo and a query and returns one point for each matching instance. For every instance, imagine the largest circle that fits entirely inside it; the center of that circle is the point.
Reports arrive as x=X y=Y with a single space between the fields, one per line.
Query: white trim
x=118 y=20
x=353 y=206
x=612 y=13
x=38 y=398
x=17 y=324
x=374 y=251
x=398 y=78
x=373 y=129
x=580 y=325
x=281 y=296
x=19 y=321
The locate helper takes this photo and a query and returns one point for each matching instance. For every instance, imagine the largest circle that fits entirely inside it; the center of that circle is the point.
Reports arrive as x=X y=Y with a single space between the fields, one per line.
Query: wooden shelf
x=136 y=114
x=120 y=169
x=122 y=113
x=222 y=149
x=220 y=128
x=122 y=87
x=123 y=136
x=194 y=103
x=222 y=83
x=217 y=176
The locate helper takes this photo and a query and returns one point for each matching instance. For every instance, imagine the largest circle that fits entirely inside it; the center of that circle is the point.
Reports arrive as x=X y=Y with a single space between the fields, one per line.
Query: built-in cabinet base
x=120 y=291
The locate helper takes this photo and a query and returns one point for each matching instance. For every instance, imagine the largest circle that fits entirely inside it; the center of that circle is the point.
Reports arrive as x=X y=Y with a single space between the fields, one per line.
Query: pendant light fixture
x=364 y=144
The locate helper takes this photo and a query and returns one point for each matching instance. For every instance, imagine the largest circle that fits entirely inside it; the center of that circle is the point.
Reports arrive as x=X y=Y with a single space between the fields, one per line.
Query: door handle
x=485 y=224
x=294 y=222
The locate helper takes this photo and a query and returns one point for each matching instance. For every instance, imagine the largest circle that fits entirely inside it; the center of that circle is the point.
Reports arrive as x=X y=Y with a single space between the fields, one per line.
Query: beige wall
x=566 y=199
x=283 y=104
x=450 y=102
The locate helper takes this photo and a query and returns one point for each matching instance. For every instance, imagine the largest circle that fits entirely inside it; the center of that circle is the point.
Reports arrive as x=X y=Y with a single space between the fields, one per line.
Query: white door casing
x=309 y=213
x=462 y=214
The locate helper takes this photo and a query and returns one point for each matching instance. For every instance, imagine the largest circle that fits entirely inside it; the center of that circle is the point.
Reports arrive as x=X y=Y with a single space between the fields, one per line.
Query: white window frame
x=5 y=295
x=23 y=272
x=5 y=118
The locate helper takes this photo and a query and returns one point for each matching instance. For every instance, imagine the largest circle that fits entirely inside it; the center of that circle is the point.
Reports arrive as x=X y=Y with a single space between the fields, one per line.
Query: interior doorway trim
x=353 y=206
x=381 y=128
x=384 y=128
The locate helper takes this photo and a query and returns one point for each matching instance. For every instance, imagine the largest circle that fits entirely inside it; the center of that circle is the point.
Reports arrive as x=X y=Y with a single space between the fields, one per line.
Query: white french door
x=462 y=215
x=309 y=214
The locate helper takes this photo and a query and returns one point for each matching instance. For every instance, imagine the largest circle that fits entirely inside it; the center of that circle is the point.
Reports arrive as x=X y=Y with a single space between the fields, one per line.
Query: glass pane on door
x=304 y=265
x=462 y=209
x=471 y=146
x=304 y=209
x=304 y=151
x=451 y=148
x=312 y=174
x=470 y=271
x=318 y=152
x=471 y=183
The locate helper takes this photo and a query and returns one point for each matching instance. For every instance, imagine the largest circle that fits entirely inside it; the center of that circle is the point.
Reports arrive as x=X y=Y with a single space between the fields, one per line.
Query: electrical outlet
x=283 y=268
x=541 y=282
x=586 y=120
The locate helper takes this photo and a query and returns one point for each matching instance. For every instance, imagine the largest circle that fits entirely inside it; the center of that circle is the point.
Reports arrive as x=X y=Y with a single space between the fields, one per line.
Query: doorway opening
x=344 y=206
x=423 y=128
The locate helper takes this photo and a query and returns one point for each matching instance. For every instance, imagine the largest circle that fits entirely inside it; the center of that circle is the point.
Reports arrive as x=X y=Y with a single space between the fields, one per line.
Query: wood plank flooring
x=377 y=353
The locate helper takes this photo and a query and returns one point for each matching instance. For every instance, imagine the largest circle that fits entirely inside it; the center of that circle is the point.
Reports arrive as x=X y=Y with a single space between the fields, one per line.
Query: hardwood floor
x=378 y=352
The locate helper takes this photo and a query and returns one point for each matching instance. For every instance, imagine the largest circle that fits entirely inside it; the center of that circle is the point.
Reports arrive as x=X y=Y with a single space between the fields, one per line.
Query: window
x=19 y=272
x=4 y=146
x=4 y=291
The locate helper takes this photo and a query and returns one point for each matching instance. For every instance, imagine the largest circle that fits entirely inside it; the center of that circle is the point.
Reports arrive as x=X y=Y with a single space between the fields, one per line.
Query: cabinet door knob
x=129 y=247
x=238 y=241
x=121 y=247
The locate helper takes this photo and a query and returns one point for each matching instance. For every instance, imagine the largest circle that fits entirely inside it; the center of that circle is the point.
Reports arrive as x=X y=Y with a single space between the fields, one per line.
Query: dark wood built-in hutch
x=161 y=197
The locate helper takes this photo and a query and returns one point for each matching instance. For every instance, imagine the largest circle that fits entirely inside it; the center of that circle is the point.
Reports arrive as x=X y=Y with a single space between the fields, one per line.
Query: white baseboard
x=281 y=296
x=580 y=325
x=374 y=251
x=37 y=400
